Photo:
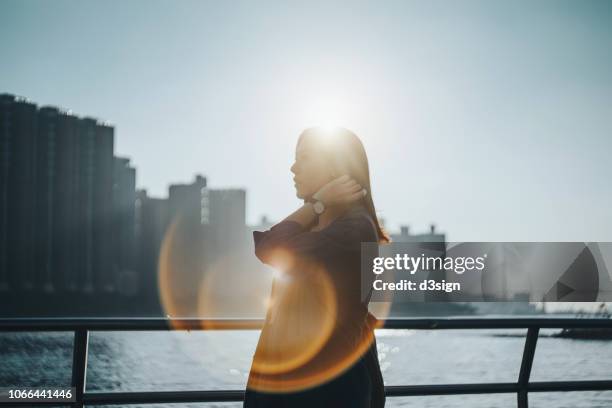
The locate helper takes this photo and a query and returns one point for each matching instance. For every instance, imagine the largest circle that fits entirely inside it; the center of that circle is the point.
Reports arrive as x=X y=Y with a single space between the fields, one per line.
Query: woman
x=317 y=347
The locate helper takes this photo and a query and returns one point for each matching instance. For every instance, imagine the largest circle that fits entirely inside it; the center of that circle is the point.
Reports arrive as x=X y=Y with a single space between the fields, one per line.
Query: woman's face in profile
x=310 y=169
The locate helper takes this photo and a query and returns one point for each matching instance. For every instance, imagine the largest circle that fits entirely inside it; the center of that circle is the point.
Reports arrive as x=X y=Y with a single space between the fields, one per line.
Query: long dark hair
x=346 y=155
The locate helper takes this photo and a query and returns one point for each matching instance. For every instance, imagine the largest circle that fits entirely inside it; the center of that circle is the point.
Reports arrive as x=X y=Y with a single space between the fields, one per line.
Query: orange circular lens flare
x=177 y=270
x=201 y=278
x=334 y=362
x=301 y=317
x=302 y=346
x=229 y=290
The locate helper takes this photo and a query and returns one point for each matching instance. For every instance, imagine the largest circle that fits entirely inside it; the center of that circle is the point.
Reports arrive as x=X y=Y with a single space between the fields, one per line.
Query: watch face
x=319 y=207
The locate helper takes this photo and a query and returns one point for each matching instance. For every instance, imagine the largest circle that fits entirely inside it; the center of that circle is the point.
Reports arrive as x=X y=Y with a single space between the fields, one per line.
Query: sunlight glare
x=327 y=111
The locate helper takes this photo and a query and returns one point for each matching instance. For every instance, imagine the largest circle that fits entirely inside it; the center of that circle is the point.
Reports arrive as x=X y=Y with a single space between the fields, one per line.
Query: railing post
x=79 y=365
x=528 y=353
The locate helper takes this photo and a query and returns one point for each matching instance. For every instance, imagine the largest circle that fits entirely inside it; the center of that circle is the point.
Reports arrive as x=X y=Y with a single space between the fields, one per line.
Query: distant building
x=55 y=198
x=264 y=224
x=405 y=235
x=124 y=216
x=65 y=270
x=185 y=200
x=18 y=120
x=152 y=219
x=226 y=216
x=102 y=206
x=199 y=226
x=431 y=240
x=57 y=203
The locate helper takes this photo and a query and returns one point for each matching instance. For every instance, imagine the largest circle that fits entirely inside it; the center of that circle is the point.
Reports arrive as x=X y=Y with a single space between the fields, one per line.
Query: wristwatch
x=318 y=207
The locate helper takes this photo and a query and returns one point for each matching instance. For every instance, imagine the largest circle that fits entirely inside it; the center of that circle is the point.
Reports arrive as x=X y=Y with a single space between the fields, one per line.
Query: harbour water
x=139 y=361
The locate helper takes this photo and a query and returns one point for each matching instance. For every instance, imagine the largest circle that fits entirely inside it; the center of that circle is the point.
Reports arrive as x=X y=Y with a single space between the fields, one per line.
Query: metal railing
x=82 y=326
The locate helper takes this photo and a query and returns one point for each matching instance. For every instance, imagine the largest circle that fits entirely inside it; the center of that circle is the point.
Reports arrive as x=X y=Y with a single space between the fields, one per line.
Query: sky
x=491 y=119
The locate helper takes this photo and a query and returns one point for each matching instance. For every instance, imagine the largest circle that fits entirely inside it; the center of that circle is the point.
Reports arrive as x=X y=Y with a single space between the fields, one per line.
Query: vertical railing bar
x=79 y=365
x=526 y=363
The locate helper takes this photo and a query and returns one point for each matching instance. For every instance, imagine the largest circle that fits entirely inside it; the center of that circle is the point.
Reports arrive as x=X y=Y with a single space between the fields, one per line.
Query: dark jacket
x=336 y=250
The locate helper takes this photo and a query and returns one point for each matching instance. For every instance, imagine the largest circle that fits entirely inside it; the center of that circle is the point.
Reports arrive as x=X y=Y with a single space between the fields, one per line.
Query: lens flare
x=302 y=315
x=178 y=269
x=200 y=277
x=323 y=367
x=305 y=342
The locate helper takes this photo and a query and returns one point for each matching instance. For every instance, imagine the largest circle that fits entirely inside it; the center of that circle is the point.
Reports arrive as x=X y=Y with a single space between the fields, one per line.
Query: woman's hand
x=341 y=191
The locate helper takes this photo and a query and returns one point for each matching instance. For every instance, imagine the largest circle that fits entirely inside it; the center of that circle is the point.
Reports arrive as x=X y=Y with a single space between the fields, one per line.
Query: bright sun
x=326 y=111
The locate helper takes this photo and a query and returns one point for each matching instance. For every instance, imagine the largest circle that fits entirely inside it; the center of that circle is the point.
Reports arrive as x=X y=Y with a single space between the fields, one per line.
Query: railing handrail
x=160 y=323
x=81 y=326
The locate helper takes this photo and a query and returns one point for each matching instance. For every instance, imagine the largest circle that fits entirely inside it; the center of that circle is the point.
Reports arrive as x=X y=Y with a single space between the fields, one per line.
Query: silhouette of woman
x=317 y=347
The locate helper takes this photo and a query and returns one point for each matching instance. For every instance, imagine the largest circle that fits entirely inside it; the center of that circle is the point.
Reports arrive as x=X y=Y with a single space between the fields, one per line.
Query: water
x=156 y=361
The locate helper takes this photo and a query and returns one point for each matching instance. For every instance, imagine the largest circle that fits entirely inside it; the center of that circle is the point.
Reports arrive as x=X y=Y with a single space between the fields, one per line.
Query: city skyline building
x=18 y=119
x=56 y=199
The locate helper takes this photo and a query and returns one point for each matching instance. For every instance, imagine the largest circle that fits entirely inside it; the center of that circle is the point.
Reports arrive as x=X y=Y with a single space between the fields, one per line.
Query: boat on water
x=602 y=333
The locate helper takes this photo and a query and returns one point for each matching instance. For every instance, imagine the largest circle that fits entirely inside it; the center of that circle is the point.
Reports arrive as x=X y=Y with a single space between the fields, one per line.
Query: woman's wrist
x=310 y=207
